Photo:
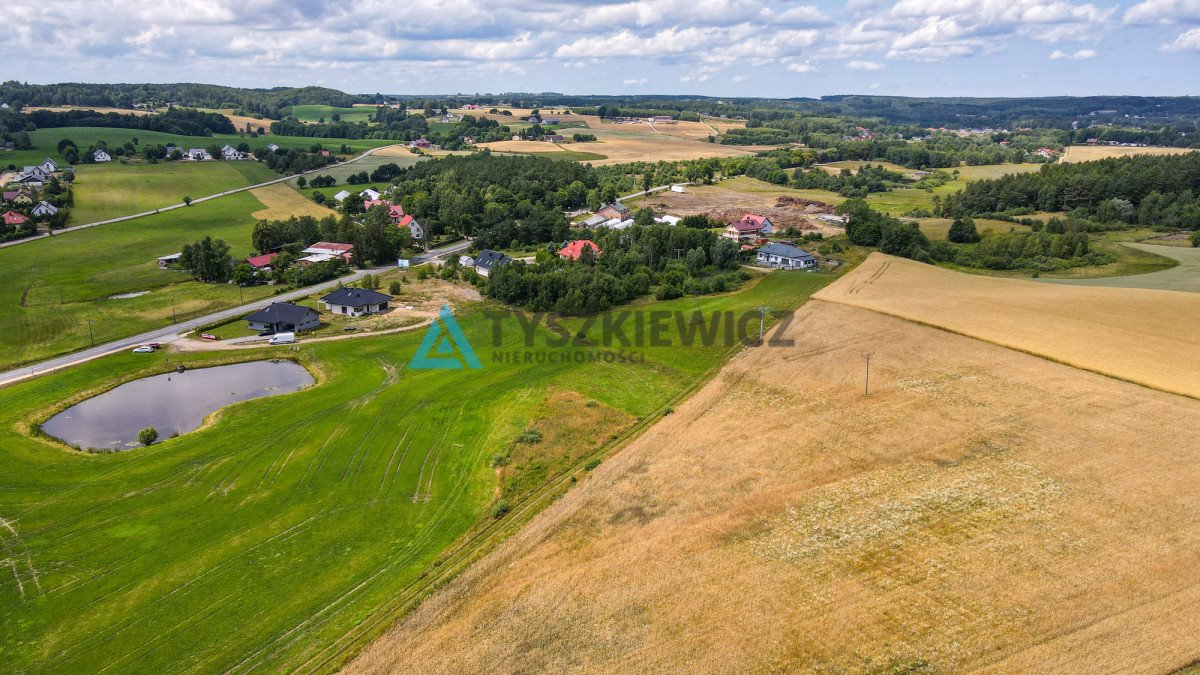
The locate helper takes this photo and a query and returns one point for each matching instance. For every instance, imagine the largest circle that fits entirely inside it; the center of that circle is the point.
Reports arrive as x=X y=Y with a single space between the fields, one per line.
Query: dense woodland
x=1153 y=191
x=178 y=121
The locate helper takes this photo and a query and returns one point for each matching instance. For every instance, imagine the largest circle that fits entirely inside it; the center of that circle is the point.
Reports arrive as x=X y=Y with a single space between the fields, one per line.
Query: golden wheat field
x=981 y=509
x=1090 y=153
x=282 y=201
x=1144 y=336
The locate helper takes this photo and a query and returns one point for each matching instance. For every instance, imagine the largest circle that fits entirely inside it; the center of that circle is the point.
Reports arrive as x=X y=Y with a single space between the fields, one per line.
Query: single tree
x=147 y=436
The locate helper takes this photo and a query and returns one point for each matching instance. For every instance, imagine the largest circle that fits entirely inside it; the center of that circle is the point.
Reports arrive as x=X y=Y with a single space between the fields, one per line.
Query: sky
x=778 y=49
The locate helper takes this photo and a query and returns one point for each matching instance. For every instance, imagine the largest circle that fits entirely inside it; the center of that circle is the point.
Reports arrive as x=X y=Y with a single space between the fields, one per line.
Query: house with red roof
x=14 y=218
x=573 y=250
x=260 y=262
x=749 y=228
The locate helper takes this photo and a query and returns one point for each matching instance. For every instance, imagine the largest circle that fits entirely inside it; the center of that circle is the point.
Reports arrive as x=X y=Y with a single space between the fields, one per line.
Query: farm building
x=595 y=220
x=356 y=301
x=284 y=317
x=341 y=196
x=487 y=260
x=786 y=257
x=101 y=156
x=331 y=249
x=262 y=262
x=167 y=260
x=370 y=194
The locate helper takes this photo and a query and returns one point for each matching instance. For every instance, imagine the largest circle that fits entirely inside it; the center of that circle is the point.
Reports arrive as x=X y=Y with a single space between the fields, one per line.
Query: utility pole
x=867 y=382
x=173 y=319
x=90 y=338
x=762 y=322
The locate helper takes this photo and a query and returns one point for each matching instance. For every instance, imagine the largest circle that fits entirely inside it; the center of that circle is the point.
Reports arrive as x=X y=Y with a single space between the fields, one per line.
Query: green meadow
x=113 y=189
x=290 y=530
x=50 y=288
x=314 y=113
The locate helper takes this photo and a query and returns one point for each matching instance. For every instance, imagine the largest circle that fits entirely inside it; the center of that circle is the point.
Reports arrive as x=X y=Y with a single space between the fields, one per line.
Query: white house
x=197 y=154
x=101 y=156
x=36 y=172
x=44 y=209
x=783 y=256
x=272 y=147
x=356 y=301
x=466 y=261
x=488 y=260
x=49 y=166
x=231 y=153
x=341 y=196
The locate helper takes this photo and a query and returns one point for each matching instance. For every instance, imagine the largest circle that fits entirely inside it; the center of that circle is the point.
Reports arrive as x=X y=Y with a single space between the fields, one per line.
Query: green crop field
x=261 y=540
x=367 y=164
x=1146 y=268
x=50 y=288
x=313 y=113
x=104 y=191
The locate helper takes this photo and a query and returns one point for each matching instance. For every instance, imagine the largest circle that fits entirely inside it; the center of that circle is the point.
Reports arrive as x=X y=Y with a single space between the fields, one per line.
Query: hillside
x=982 y=508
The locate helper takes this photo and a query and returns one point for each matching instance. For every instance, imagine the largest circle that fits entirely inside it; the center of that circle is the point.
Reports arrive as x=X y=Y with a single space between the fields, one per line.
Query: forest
x=178 y=121
x=1159 y=191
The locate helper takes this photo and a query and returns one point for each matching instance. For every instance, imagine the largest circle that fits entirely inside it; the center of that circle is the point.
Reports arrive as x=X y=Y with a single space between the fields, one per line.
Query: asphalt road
x=172 y=332
x=181 y=205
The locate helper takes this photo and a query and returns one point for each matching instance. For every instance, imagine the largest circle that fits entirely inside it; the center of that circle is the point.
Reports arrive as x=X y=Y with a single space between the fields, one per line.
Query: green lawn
x=104 y=191
x=258 y=542
x=313 y=113
x=49 y=288
x=367 y=164
x=1166 y=268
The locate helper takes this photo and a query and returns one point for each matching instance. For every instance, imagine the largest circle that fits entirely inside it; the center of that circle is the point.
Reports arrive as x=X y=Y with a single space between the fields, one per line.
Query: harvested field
x=1089 y=153
x=99 y=109
x=982 y=509
x=1143 y=336
x=393 y=151
x=629 y=143
x=283 y=201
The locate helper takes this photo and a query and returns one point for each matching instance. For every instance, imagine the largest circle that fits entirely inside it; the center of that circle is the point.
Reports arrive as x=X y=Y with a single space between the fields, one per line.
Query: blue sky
x=710 y=47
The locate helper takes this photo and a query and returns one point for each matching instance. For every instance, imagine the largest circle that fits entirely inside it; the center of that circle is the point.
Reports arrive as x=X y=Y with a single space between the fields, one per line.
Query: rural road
x=172 y=332
x=197 y=200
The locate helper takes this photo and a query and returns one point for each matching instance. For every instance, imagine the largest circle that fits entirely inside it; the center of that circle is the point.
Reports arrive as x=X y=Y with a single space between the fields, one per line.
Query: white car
x=144 y=349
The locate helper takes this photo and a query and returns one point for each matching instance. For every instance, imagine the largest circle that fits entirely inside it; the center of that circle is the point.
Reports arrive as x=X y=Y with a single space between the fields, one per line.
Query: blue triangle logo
x=444 y=338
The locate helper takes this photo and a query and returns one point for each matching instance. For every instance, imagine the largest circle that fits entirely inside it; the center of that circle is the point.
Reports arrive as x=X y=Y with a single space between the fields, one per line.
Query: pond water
x=172 y=403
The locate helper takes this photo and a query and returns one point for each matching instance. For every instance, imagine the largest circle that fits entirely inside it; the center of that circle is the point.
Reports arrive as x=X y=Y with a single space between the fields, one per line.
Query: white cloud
x=860 y=64
x=801 y=67
x=1163 y=11
x=1058 y=55
x=635 y=83
x=1189 y=41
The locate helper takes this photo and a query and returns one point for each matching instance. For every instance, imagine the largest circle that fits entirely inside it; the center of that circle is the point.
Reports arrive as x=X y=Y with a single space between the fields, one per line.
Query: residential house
x=786 y=257
x=414 y=228
x=284 y=317
x=262 y=262
x=573 y=250
x=331 y=249
x=44 y=210
x=466 y=261
x=21 y=197
x=15 y=219
x=488 y=260
x=341 y=196
x=37 y=172
x=49 y=166
x=748 y=229
x=325 y=153
x=615 y=210
x=197 y=154
x=101 y=155
x=356 y=301
x=231 y=153
x=273 y=148
x=369 y=203
x=534 y=119
x=171 y=148
x=553 y=138
x=1045 y=153
x=661 y=119
x=421 y=143
x=551 y=120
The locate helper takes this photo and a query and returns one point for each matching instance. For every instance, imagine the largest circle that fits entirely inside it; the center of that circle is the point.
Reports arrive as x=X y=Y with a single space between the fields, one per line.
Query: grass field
x=622 y=143
x=403 y=158
x=1185 y=276
x=313 y=113
x=282 y=201
x=104 y=191
x=1090 y=153
x=50 y=288
x=189 y=554
x=45 y=142
x=982 y=509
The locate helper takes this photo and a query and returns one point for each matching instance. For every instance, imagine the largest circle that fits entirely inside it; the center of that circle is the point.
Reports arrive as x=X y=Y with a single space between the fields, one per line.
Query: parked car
x=266 y=333
x=144 y=349
x=153 y=345
x=282 y=339
x=208 y=336
x=350 y=329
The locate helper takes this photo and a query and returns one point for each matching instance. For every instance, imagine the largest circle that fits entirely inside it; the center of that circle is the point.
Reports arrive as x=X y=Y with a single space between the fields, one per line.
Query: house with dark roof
x=101 y=155
x=44 y=210
x=488 y=260
x=22 y=197
x=356 y=301
x=284 y=317
x=785 y=257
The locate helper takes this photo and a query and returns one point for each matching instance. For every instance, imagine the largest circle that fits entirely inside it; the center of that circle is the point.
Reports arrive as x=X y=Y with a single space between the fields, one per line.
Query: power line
x=867 y=382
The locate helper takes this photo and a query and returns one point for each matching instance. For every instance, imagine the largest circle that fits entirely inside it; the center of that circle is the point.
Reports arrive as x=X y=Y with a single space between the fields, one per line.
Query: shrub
x=394 y=287
x=592 y=464
x=530 y=436
x=500 y=509
x=148 y=435
x=1196 y=239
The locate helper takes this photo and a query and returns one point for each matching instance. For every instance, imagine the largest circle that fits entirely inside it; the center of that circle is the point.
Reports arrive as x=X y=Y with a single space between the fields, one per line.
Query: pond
x=172 y=403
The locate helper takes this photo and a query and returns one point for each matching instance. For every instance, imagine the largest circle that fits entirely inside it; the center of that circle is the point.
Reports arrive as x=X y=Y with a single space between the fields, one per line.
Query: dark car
x=266 y=333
